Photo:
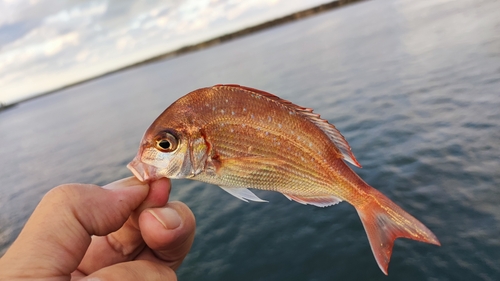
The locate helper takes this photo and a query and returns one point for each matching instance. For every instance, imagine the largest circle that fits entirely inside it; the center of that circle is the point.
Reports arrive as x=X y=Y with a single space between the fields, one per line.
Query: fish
x=238 y=137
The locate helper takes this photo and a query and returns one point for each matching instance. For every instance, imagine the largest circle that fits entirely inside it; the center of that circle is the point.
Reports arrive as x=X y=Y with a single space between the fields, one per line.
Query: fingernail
x=128 y=182
x=168 y=217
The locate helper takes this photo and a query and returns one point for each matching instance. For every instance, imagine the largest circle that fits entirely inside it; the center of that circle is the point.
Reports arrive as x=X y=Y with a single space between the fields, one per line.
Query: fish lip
x=143 y=172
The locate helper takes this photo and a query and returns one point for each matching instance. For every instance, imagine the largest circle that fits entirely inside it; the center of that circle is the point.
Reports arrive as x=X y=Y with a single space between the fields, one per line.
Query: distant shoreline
x=205 y=44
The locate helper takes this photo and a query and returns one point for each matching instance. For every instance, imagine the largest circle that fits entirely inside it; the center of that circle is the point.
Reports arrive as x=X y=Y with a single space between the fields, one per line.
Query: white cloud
x=78 y=13
x=55 y=45
x=125 y=42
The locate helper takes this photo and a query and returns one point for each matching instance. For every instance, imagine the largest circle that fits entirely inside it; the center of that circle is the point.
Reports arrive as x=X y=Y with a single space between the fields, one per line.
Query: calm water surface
x=413 y=85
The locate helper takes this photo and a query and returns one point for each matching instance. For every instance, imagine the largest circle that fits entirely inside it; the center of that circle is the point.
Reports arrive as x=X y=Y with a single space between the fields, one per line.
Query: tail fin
x=384 y=221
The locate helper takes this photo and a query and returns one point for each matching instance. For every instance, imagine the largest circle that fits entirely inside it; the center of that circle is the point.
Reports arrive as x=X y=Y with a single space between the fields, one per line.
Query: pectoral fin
x=243 y=194
x=318 y=201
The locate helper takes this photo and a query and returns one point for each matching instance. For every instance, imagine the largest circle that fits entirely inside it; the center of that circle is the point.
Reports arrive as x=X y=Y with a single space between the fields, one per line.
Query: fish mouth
x=143 y=172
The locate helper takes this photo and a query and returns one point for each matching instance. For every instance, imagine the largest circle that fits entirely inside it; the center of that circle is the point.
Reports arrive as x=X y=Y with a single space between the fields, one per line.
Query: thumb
x=57 y=235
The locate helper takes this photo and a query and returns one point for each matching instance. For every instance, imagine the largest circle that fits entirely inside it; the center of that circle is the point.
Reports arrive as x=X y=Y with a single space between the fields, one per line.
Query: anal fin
x=318 y=201
x=242 y=194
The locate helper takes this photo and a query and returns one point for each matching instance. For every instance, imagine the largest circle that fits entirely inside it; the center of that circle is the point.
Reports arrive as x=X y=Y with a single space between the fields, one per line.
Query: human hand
x=123 y=231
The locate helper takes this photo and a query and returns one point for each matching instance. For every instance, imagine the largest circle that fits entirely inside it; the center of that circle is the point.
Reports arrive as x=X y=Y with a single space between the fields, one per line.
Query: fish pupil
x=165 y=144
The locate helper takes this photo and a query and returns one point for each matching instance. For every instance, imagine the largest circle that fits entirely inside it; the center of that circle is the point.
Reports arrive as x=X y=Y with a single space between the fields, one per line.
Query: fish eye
x=167 y=143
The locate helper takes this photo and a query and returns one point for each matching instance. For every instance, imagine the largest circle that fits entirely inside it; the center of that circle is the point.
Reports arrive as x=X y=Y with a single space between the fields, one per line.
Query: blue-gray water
x=413 y=85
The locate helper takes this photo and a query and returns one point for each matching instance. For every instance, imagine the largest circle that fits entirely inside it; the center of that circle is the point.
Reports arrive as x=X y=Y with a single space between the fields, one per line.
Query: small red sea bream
x=238 y=138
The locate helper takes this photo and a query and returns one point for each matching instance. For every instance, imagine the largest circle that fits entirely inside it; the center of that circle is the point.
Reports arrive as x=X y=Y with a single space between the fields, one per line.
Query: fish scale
x=228 y=147
x=239 y=138
x=224 y=135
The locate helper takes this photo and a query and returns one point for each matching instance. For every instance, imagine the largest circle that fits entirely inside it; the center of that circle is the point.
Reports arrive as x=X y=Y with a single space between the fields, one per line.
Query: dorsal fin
x=333 y=134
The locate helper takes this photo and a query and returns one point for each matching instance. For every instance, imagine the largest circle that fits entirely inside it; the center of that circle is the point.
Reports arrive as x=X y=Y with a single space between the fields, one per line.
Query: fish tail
x=384 y=221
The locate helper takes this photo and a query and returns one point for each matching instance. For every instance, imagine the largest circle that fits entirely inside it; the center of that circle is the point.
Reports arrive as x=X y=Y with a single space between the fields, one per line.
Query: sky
x=46 y=44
